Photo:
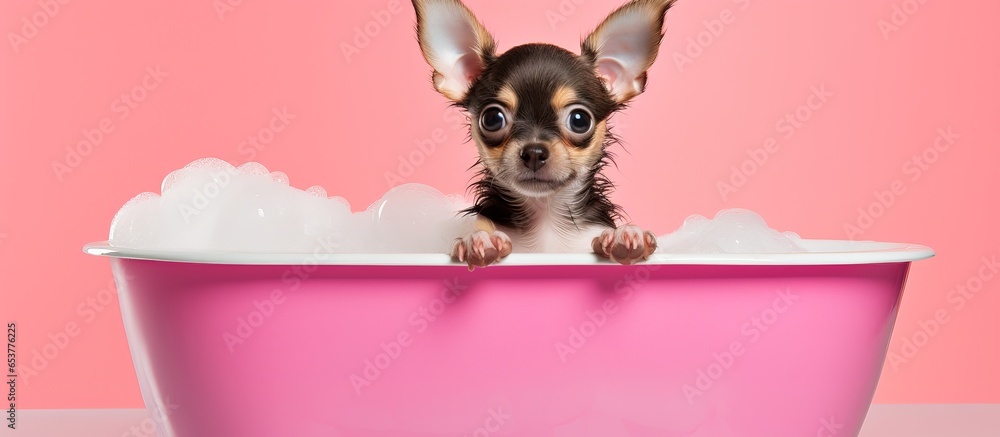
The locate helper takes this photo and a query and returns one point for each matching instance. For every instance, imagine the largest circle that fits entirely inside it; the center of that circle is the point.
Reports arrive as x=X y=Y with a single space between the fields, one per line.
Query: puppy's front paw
x=481 y=248
x=626 y=244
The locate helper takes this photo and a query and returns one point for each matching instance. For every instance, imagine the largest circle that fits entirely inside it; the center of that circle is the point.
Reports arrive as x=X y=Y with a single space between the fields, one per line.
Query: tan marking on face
x=489 y=155
x=589 y=155
x=508 y=97
x=563 y=97
x=600 y=133
x=566 y=96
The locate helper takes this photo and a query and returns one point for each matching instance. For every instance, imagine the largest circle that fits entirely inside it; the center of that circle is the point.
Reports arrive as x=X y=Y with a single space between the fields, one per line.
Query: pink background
x=225 y=70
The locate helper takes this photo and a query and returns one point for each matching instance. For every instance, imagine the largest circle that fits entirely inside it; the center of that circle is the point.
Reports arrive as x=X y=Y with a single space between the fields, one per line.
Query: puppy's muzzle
x=534 y=156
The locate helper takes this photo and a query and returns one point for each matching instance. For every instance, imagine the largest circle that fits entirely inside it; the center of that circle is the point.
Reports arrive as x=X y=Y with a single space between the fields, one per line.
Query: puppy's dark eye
x=580 y=121
x=493 y=119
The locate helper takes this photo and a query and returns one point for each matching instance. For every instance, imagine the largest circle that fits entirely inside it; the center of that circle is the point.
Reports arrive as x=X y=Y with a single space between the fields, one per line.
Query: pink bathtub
x=779 y=345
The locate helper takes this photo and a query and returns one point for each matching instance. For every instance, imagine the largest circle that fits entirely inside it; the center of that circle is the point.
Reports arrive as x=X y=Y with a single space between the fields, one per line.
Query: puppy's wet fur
x=539 y=117
x=542 y=80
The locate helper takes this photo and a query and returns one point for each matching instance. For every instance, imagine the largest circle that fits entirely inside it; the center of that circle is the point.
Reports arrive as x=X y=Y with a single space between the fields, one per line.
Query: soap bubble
x=317 y=191
x=212 y=205
x=415 y=218
x=732 y=231
x=279 y=177
x=254 y=169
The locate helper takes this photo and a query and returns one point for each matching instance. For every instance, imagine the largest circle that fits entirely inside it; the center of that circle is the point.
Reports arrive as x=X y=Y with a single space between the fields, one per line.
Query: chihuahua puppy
x=539 y=117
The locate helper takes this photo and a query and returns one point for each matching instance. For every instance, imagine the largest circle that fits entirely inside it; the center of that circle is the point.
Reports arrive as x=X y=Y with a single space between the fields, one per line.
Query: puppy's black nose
x=534 y=156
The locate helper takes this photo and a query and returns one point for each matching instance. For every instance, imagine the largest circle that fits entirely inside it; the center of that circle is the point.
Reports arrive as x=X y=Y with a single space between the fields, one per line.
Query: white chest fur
x=553 y=227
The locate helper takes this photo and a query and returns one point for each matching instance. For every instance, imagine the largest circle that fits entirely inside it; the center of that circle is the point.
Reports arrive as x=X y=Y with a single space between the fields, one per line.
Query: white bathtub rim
x=821 y=252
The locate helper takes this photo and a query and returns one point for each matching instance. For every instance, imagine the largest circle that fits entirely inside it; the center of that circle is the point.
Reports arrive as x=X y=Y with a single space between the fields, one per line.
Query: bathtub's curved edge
x=824 y=252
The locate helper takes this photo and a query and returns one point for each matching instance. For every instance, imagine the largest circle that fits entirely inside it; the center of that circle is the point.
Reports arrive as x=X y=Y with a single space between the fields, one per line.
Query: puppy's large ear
x=624 y=46
x=454 y=43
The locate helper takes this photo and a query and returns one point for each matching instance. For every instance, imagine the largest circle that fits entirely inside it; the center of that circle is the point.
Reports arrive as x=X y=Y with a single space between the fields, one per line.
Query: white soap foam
x=732 y=231
x=210 y=205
